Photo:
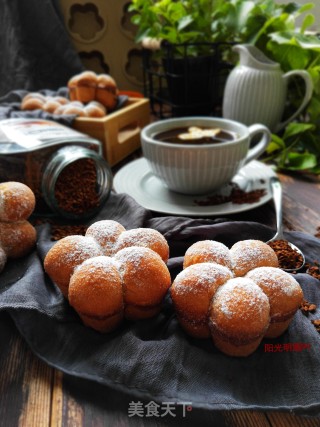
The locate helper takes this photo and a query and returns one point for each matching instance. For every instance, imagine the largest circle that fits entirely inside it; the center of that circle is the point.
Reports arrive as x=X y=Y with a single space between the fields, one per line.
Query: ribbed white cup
x=200 y=169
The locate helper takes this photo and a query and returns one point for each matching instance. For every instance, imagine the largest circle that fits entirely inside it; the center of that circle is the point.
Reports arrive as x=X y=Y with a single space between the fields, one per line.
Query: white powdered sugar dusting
x=216 y=251
x=92 y=267
x=200 y=275
x=81 y=247
x=140 y=236
x=133 y=256
x=274 y=279
x=236 y=291
x=106 y=233
x=248 y=254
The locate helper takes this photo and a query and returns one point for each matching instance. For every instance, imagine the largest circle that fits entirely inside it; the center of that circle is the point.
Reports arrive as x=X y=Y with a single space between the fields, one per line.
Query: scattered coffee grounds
x=76 y=188
x=236 y=196
x=307 y=307
x=288 y=257
x=316 y=324
x=60 y=231
x=314 y=269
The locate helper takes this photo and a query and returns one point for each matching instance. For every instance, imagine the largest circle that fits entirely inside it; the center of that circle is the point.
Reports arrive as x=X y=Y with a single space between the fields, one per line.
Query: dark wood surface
x=32 y=394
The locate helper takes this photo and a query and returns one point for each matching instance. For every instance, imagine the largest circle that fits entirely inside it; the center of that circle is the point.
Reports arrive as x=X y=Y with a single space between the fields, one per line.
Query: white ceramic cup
x=201 y=168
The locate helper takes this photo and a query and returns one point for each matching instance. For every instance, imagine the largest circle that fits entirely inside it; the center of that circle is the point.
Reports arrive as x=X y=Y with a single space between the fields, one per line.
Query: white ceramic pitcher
x=256 y=90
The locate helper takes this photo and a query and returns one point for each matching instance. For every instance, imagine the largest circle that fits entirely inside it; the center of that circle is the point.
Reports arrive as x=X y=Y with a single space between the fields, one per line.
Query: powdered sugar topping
x=236 y=291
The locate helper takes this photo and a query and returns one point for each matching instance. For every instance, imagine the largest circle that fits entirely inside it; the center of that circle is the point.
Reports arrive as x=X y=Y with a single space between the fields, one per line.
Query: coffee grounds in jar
x=288 y=257
x=76 y=188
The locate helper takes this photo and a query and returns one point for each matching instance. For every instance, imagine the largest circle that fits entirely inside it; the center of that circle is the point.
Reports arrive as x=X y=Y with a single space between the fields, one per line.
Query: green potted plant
x=192 y=28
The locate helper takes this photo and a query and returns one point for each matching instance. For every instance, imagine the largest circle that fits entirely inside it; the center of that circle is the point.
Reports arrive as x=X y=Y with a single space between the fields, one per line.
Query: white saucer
x=137 y=180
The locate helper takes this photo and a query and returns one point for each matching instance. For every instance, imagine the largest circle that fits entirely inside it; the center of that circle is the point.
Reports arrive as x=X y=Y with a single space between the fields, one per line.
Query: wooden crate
x=119 y=132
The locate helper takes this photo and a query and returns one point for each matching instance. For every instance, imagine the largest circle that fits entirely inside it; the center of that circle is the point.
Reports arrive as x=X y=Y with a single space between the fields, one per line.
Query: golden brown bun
x=107 y=92
x=3 y=259
x=95 y=109
x=191 y=294
x=17 y=238
x=17 y=201
x=82 y=87
x=74 y=109
x=144 y=237
x=207 y=251
x=67 y=254
x=145 y=277
x=284 y=293
x=34 y=95
x=89 y=86
x=62 y=100
x=106 y=233
x=50 y=105
x=249 y=254
x=32 y=104
x=95 y=292
x=239 y=316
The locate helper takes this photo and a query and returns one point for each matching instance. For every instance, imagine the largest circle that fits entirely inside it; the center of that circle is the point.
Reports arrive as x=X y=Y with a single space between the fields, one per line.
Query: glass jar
x=64 y=168
x=76 y=182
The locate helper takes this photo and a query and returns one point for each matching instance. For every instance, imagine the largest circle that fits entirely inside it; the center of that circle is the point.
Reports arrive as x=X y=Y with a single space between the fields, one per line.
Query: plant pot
x=192 y=84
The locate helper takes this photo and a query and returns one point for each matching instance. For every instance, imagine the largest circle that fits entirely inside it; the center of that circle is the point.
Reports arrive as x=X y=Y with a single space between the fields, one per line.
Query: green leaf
x=275 y=144
x=294 y=129
x=307 y=22
x=184 y=22
x=301 y=161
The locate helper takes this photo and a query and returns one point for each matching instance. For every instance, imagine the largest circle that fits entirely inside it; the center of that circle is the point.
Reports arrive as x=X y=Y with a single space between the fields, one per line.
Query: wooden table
x=32 y=394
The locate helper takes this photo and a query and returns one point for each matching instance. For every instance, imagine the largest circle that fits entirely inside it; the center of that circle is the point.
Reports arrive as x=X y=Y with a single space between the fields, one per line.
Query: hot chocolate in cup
x=197 y=155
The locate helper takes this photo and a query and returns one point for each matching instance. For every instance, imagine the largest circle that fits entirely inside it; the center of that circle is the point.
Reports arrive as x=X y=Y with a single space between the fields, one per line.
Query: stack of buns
x=237 y=296
x=17 y=235
x=90 y=95
x=111 y=273
x=59 y=105
x=89 y=86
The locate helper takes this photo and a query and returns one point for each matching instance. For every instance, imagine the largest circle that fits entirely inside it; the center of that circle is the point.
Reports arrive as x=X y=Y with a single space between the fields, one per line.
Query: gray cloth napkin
x=36 y=49
x=155 y=359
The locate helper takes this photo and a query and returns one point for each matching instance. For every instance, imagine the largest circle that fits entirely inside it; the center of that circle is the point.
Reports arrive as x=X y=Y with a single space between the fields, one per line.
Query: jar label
x=31 y=133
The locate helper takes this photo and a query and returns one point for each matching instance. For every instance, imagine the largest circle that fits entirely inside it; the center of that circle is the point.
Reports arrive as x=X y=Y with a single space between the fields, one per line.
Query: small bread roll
x=144 y=237
x=192 y=292
x=32 y=104
x=95 y=109
x=17 y=201
x=17 y=238
x=66 y=255
x=34 y=95
x=107 y=91
x=95 y=292
x=106 y=233
x=3 y=259
x=83 y=86
x=146 y=280
x=284 y=293
x=74 y=109
x=50 y=106
x=239 y=317
x=207 y=251
x=249 y=254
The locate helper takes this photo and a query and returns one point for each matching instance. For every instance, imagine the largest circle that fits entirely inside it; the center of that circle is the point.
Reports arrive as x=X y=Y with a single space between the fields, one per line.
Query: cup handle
x=260 y=146
x=307 y=96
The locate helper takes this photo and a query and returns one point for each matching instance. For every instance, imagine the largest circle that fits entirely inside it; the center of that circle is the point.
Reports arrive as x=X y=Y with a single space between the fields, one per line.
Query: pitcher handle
x=307 y=96
x=261 y=145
